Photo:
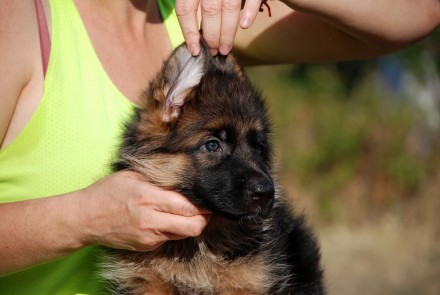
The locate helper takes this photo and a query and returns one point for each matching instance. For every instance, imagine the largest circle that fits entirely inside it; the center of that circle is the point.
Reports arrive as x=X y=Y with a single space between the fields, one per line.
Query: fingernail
x=195 y=49
x=245 y=22
x=225 y=49
x=213 y=52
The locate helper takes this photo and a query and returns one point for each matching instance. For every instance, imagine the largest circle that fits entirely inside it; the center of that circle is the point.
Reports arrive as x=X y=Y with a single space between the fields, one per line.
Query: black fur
x=222 y=130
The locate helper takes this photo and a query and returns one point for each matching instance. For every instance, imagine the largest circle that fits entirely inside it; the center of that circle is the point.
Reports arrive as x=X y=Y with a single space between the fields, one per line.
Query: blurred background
x=358 y=146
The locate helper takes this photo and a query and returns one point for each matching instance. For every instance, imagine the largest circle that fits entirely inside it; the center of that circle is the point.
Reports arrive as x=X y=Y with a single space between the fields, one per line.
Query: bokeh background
x=358 y=146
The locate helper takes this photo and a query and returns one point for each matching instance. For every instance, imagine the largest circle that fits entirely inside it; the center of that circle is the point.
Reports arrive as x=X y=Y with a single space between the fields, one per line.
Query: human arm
x=332 y=30
x=337 y=30
x=120 y=211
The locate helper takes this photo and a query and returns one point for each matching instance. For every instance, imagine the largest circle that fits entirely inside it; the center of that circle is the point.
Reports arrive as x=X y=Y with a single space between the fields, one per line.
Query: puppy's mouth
x=258 y=210
x=249 y=206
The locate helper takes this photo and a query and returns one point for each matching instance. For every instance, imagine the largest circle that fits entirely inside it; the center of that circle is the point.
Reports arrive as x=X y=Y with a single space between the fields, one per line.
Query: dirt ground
x=397 y=254
x=386 y=258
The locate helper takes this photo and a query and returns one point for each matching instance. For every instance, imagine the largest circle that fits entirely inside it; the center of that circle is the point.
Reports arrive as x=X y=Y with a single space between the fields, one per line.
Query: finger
x=164 y=227
x=180 y=227
x=174 y=203
x=211 y=24
x=186 y=11
x=149 y=243
x=230 y=18
x=249 y=13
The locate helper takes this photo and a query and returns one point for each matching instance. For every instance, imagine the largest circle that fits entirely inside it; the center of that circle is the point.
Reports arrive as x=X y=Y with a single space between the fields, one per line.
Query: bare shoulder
x=19 y=55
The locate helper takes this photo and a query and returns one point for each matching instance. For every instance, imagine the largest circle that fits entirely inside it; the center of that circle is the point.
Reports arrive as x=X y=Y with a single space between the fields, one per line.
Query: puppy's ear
x=228 y=63
x=180 y=74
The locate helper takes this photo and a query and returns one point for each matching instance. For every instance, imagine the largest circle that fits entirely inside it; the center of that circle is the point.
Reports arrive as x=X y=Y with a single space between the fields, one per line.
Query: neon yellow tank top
x=68 y=144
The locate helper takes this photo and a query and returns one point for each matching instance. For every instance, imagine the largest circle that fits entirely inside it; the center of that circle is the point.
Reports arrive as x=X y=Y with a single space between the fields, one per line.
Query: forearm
x=120 y=211
x=37 y=231
x=377 y=22
x=322 y=30
x=307 y=30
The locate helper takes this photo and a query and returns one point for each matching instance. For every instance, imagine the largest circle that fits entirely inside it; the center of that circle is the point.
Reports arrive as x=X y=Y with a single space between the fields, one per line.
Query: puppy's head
x=203 y=130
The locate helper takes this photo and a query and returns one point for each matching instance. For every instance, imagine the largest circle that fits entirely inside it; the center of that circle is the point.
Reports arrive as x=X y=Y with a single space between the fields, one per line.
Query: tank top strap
x=44 y=34
x=168 y=13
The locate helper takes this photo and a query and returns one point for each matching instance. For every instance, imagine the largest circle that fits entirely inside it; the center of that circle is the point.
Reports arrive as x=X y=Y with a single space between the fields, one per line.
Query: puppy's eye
x=212 y=146
x=262 y=149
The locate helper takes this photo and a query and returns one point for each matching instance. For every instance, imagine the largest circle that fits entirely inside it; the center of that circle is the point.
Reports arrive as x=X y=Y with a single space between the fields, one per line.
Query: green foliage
x=412 y=57
x=405 y=171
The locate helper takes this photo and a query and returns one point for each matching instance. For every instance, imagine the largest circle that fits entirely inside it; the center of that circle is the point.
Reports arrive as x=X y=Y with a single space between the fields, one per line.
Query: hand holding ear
x=220 y=20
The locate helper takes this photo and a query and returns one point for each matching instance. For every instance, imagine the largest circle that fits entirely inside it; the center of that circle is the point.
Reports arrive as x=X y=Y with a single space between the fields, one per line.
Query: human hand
x=219 y=21
x=124 y=211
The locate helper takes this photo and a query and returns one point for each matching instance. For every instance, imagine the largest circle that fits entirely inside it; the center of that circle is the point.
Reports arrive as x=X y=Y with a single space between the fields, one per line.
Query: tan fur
x=207 y=272
x=163 y=171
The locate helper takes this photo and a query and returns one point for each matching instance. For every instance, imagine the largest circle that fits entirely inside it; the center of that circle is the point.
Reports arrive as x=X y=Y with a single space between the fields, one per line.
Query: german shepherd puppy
x=203 y=130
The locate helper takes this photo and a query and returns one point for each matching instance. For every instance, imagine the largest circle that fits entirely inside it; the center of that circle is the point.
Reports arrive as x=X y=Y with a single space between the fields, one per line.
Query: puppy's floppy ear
x=180 y=74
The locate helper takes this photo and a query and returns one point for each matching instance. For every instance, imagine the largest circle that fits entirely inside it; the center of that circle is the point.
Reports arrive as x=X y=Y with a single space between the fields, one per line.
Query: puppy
x=203 y=130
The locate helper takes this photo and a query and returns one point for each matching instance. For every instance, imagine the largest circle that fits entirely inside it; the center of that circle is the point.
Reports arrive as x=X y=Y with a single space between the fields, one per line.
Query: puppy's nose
x=261 y=191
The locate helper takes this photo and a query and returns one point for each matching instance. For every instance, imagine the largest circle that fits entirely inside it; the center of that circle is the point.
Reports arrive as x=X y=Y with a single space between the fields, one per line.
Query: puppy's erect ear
x=181 y=74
